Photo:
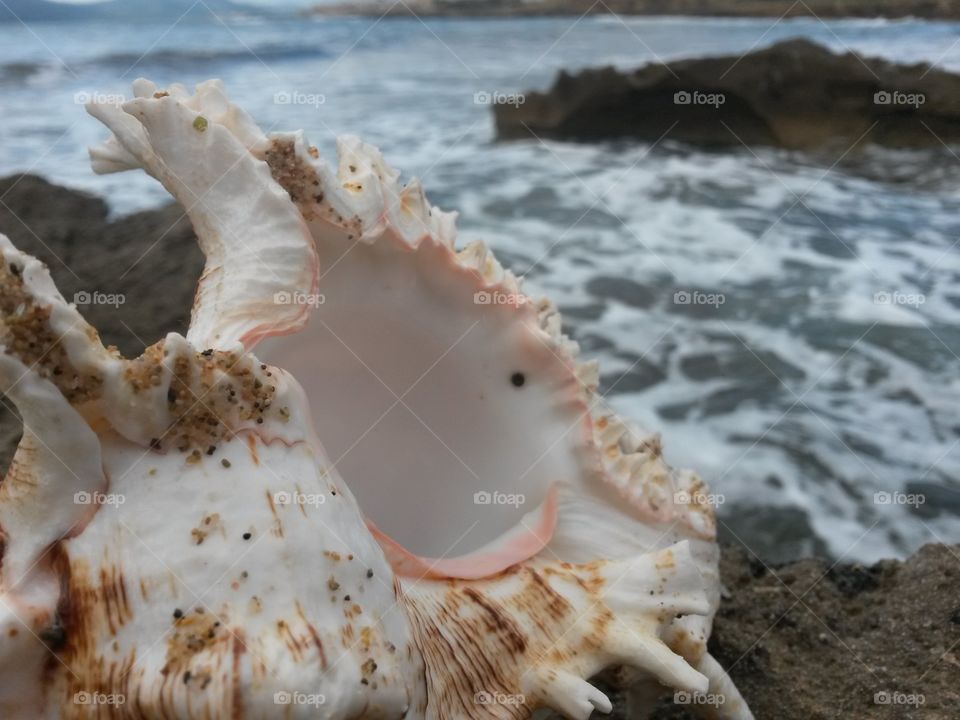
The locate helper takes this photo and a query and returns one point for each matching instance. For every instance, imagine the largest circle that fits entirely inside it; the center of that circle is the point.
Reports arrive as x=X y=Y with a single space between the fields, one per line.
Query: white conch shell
x=178 y=543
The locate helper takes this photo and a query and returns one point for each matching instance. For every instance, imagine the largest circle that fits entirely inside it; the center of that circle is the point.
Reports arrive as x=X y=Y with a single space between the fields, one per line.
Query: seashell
x=207 y=532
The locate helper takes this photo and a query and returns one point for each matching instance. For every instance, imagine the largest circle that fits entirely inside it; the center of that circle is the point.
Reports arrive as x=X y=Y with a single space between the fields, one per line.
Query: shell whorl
x=239 y=564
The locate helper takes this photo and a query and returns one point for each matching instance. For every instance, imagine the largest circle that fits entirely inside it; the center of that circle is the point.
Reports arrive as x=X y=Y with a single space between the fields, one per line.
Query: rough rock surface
x=795 y=94
x=810 y=640
x=132 y=278
x=804 y=641
x=725 y=8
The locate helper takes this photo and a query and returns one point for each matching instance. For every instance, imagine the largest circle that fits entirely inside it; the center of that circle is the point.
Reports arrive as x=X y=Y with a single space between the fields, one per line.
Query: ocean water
x=820 y=398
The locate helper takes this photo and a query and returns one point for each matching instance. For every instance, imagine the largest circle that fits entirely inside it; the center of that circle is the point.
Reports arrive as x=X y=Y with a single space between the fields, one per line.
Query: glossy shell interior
x=411 y=497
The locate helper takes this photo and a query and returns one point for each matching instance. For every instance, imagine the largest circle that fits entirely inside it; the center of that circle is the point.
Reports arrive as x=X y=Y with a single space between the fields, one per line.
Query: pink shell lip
x=536 y=529
x=510 y=549
x=587 y=602
x=265 y=320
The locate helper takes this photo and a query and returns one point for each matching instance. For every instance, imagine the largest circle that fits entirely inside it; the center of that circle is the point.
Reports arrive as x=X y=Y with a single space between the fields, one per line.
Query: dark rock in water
x=593 y=311
x=592 y=343
x=641 y=375
x=758 y=376
x=795 y=94
x=132 y=278
x=723 y=401
x=17 y=11
x=779 y=534
x=940 y=9
x=35 y=10
x=937 y=498
x=622 y=290
x=740 y=363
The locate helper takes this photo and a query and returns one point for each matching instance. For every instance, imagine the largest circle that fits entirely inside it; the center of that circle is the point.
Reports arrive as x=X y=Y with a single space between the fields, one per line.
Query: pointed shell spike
x=222 y=464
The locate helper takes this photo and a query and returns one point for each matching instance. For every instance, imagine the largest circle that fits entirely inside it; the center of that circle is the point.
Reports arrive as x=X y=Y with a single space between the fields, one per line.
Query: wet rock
x=851 y=580
x=802 y=641
x=806 y=641
x=591 y=311
x=723 y=401
x=622 y=290
x=937 y=498
x=740 y=363
x=779 y=9
x=640 y=376
x=132 y=278
x=788 y=529
x=795 y=94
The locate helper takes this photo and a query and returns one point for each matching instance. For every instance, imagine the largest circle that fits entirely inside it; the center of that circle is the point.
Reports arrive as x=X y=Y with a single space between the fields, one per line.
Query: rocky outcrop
x=132 y=278
x=577 y=8
x=808 y=640
x=795 y=94
x=813 y=640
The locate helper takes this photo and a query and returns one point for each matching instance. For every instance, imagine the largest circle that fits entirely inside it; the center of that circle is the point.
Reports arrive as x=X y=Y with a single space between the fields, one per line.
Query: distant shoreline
x=827 y=9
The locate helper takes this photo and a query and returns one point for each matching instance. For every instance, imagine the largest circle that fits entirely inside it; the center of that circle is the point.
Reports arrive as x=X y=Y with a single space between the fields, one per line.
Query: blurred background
x=818 y=393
